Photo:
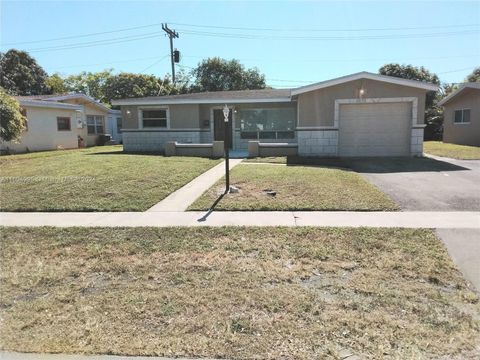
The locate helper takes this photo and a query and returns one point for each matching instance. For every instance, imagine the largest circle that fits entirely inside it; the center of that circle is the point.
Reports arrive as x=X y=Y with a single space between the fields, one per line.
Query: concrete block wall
x=416 y=144
x=317 y=142
x=242 y=144
x=154 y=141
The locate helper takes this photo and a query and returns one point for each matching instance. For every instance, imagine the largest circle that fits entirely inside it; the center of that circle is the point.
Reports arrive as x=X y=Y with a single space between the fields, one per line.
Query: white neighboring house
x=62 y=122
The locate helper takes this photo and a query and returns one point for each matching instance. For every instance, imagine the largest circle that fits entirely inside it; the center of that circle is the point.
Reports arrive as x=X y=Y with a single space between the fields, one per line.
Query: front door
x=219 y=127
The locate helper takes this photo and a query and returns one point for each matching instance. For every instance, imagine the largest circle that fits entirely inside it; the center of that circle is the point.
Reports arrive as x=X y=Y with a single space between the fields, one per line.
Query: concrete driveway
x=425 y=184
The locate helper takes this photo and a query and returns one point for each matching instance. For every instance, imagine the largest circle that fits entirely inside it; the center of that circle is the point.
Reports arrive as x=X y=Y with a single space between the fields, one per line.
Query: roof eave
x=455 y=94
x=126 y=102
x=47 y=104
x=365 y=75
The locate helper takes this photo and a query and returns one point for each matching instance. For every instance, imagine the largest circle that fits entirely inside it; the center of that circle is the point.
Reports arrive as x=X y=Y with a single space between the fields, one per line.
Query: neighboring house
x=363 y=114
x=461 y=115
x=61 y=121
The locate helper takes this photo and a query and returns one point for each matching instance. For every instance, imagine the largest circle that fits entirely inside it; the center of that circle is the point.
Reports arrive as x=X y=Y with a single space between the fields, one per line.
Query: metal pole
x=227 y=158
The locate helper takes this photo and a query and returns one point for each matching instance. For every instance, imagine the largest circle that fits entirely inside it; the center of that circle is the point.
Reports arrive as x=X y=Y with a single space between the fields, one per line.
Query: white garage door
x=375 y=129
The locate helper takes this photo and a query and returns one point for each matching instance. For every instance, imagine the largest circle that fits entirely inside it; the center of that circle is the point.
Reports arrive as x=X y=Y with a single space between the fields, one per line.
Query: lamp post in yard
x=226 y=113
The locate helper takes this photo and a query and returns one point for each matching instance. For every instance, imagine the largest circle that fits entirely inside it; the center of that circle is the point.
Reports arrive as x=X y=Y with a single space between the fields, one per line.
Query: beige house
x=461 y=115
x=362 y=114
x=61 y=121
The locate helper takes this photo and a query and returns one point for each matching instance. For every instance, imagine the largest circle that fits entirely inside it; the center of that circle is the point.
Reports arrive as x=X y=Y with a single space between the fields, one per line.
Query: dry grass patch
x=267 y=159
x=238 y=293
x=93 y=179
x=453 y=151
x=296 y=188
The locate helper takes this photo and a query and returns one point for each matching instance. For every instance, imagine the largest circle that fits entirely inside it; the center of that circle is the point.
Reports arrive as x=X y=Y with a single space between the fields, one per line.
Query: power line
x=82 y=35
x=108 y=63
x=328 y=38
x=458 y=70
x=155 y=63
x=327 y=30
x=239 y=28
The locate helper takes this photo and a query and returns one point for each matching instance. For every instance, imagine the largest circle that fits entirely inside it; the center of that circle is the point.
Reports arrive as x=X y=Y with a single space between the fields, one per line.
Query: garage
x=375 y=129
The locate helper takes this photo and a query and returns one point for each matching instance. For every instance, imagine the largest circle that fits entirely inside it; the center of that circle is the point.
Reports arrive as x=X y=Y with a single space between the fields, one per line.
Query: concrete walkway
x=411 y=219
x=181 y=199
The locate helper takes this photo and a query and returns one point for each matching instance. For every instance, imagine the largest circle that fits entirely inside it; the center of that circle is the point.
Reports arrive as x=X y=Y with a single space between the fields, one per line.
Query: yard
x=236 y=293
x=296 y=188
x=93 y=179
x=453 y=151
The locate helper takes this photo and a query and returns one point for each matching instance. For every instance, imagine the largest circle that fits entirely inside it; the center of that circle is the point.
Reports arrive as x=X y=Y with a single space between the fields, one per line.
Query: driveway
x=425 y=184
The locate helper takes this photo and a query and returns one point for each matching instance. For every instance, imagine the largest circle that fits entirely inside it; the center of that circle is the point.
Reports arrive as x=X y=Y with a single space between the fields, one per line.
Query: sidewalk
x=181 y=199
x=411 y=219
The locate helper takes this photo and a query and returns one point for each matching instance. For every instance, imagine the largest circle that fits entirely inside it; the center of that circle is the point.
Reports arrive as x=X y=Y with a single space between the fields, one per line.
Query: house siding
x=463 y=134
x=317 y=108
x=42 y=133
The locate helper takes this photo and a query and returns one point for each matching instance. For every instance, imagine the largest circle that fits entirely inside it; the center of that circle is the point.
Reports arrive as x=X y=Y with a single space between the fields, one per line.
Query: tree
x=433 y=112
x=90 y=84
x=21 y=75
x=11 y=119
x=474 y=76
x=56 y=84
x=216 y=74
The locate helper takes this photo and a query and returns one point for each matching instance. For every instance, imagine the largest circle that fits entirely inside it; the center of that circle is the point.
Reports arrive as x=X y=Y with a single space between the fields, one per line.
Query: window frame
x=69 y=123
x=147 y=108
x=261 y=134
x=95 y=124
x=462 y=122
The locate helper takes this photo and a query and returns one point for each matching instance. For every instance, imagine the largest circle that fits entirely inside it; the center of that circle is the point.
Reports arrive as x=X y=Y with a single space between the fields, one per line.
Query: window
x=94 y=124
x=119 y=125
x=274 y=123
x=461 y=116
x=63 y=123
x=154 y=118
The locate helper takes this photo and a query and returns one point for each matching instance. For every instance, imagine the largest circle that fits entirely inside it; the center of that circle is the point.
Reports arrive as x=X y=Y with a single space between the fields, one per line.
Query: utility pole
x=174 y=55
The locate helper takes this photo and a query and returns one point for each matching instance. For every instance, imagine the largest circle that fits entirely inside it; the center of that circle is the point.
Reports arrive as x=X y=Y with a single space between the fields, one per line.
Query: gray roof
x=462 y=87
x=266 y=95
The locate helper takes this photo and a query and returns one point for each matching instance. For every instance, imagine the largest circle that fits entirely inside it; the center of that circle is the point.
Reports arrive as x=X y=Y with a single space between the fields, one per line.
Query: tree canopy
x=216 y=74
x=474 y=76
x=21 y=75
x=11 y=119
x=433 y=113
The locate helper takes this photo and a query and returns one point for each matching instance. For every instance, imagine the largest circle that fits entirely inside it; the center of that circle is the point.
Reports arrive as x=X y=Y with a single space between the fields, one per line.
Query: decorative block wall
x=416 y=144
x=154 y=141
x=317 y=142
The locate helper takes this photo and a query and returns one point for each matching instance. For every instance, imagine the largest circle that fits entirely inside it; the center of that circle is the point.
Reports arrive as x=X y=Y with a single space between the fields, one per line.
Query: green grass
x=268 y=160
x=93 y=179
x=453 y=151
x=297 y=188
x=235 y=293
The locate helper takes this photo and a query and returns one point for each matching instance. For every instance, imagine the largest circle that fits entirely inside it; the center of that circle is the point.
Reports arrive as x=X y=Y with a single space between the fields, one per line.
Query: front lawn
x=296 y=188
x=235 y=293
x=93 y=179
x=453 y=151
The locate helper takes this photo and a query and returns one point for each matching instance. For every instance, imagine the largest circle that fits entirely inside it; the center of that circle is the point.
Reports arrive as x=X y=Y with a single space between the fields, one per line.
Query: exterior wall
x=464 y=134
x=317 y=142
x=317 y=108
x=42 y=133
x=155 y=140
x=182 y=116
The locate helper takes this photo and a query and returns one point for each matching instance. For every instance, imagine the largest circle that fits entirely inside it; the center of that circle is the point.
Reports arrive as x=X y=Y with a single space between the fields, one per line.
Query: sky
x=293 y=43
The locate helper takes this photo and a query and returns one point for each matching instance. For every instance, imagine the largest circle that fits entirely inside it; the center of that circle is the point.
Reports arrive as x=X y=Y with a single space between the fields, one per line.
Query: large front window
x=462 y=116
x=94 y=124
x=154 y=118
x=274 y=123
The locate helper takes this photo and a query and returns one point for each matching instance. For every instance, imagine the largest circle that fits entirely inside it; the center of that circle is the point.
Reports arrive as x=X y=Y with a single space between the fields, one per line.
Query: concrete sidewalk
x=181 y=199
x=411 y=219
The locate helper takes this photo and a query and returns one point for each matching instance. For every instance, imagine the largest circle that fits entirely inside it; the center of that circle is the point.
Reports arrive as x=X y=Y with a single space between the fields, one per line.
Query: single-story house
x=61 y=121
x=461 y=115
x=362 y=114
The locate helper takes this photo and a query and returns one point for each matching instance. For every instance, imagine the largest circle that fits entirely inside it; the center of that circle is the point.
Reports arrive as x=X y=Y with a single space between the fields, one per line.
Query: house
x=362 y=114
x=461 y=115
x=61 y=121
